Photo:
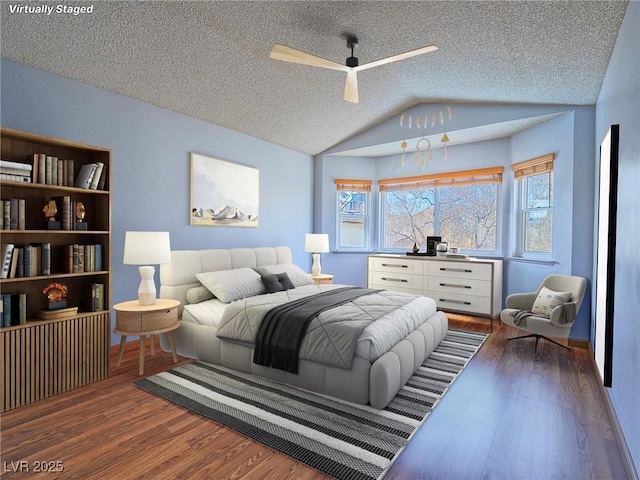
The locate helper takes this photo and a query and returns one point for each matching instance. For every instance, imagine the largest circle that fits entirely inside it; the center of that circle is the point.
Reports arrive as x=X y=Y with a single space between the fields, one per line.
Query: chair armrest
x=564 y=315
x=520 y=301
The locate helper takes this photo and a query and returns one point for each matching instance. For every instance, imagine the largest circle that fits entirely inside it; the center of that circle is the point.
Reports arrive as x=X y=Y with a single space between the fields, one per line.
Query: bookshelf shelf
x=73 y=351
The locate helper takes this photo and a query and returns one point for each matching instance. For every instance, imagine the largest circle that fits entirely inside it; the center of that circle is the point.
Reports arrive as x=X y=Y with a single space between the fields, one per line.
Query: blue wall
x=619 y=103
x=150 y=166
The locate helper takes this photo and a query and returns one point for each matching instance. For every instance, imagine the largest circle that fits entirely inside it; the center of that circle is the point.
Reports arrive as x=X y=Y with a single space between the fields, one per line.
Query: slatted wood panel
x=47 y=358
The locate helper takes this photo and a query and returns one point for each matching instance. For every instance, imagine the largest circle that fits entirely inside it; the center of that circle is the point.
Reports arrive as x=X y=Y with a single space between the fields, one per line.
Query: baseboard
x=579 y=343
x=632 y=473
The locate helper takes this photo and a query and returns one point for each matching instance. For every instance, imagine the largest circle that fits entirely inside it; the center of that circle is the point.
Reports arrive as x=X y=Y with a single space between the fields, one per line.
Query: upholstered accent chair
x=550 y=310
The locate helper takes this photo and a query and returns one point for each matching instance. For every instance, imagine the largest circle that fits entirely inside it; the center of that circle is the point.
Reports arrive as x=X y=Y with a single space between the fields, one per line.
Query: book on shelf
x=70 y=169
x=94 y=297
x=7 y=255
x=19 y=172
x=64 y=211
x=13 y=270
x=18 y=165
x=13 y=214
x=14 y=178
x=6 y=309
x=42 y=168
x=13 y=308
x=96 y=177
x=59 y=313
x=85 y=175
x=20 y=269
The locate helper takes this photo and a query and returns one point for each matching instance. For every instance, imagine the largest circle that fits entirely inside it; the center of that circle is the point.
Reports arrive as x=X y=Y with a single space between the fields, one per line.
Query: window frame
x=523 y=171
x=436 y=181
x=359 y=186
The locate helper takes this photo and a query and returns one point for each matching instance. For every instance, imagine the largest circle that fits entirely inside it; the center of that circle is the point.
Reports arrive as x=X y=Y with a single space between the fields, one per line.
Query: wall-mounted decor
x=606 y=254
x=223 y=193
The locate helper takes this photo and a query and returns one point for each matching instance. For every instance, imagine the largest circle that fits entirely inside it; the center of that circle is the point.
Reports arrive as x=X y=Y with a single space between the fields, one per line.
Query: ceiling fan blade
x=351 y=87
x=288 y=54
x=395 y=58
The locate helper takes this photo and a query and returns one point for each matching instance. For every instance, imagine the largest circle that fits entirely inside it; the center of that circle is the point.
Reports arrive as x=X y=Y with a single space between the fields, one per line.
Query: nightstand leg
x=123 y=340
x=152 y=338
x=141 y=369
x=172 y=342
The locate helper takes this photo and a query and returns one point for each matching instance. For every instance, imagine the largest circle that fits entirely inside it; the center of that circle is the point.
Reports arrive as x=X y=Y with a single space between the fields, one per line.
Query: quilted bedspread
x=368 y=326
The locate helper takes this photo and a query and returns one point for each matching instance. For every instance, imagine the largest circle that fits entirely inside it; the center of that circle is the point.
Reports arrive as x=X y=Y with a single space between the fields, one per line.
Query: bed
x=219 y=294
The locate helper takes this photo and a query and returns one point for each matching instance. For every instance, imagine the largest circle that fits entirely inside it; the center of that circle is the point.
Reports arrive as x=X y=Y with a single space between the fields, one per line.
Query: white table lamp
x=147 y=249
x=316 y=243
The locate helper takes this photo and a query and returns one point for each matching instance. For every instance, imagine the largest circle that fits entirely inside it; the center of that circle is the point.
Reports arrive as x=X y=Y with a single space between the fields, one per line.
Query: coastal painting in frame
x=223 y=194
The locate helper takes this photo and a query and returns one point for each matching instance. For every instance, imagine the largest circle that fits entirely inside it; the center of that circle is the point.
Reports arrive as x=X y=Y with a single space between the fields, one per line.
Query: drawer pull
x=453 y=285
x=459 y=302
x=395 y=265
x=402 y=280
x=463 y=270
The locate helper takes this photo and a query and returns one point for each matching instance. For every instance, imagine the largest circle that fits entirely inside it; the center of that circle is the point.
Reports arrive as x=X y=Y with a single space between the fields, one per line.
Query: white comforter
x=369 y=326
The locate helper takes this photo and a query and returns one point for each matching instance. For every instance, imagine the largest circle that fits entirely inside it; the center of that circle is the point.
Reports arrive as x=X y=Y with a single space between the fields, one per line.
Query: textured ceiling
x=210 y=60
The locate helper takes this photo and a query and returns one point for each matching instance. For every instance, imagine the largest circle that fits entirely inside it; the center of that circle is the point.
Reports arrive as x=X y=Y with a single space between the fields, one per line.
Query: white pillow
x=298 y=276
x=547 y=300
x=198 y=294
x=230 y=285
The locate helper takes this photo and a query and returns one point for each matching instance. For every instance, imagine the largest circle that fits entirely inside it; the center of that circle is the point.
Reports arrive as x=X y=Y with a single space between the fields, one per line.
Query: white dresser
x=472 y=286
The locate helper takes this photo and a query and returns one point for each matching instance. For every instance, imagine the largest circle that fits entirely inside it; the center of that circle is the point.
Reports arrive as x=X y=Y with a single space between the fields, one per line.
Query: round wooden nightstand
x=135 y=319
x=322 y=279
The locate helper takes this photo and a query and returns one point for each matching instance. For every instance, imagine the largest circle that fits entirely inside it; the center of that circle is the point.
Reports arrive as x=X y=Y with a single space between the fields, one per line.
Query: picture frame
x=606 y=254
x=223 y=194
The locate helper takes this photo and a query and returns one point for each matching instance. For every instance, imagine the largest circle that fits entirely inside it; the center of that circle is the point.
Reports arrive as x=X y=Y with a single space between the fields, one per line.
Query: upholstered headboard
x=180 y=275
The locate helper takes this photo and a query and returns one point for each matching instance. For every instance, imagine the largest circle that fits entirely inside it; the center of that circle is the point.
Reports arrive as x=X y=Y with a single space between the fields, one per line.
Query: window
x=534 y=216
x=353 y=197
x=461 y=207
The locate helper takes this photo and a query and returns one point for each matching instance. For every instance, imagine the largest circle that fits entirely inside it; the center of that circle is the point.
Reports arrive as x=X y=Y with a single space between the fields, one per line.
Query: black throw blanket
x=283 y=327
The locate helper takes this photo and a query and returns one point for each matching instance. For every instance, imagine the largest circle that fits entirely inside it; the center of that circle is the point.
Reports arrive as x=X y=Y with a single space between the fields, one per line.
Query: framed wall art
x=223 y=194
x=606 y=254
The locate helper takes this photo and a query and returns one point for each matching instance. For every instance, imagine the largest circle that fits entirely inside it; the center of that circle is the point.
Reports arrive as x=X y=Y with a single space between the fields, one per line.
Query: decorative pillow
x=277 y=282
x=198 y=294
x=230 y=285
x=298 y=276
x=547 y=300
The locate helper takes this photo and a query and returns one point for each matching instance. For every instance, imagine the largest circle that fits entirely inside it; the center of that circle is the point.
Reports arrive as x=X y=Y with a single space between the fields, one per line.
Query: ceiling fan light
x=352 y=62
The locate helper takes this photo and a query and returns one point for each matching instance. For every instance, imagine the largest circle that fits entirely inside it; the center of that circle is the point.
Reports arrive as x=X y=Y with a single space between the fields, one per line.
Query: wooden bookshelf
x=42 y=358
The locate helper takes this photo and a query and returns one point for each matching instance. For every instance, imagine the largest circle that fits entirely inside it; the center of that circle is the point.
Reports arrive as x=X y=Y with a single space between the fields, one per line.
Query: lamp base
x=147 y=288
x=316 y=268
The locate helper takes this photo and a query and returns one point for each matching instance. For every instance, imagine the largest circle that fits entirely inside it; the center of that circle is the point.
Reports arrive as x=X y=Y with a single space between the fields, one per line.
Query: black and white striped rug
x=342 y=439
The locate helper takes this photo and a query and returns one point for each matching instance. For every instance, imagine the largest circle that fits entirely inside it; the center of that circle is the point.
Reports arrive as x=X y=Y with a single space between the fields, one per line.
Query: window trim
x=479 y=176
x=354 y=185
x=521 y=171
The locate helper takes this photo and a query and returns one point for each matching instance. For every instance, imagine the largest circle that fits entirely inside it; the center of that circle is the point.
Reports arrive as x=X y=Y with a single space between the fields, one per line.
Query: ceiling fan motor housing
x=352 y=42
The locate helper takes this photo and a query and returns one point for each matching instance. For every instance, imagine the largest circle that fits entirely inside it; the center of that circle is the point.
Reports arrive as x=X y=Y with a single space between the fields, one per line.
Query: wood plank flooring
x=512 y=414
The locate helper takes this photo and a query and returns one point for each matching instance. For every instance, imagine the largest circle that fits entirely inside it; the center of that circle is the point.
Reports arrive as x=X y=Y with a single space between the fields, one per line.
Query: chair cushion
x=547 y=300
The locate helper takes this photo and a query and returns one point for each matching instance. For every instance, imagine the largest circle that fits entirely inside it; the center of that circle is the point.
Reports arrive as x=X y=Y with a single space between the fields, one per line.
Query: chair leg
x=538 y=337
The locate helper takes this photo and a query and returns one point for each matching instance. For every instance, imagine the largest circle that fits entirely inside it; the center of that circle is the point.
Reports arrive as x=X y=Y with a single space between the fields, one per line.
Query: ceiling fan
x=288 y=54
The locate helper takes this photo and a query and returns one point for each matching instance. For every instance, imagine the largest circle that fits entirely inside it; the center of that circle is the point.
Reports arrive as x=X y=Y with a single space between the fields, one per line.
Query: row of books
x=50 y=170
x=13 y=306
x=13 y=309
x=25 y=260
x=35 y=260
x=14 y=214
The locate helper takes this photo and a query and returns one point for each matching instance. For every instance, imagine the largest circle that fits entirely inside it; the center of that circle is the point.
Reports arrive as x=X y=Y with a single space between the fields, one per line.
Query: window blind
x=533 y=166
x=448 y=179
x=353 y=185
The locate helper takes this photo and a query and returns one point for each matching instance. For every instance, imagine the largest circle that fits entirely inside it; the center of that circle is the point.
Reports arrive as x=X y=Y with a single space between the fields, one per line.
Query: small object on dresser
x=415 y=248
x=432 y=242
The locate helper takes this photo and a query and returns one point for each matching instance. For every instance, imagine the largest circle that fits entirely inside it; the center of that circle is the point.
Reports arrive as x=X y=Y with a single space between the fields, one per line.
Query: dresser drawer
x=461 y=303
x=460 y=286
x=480 y=271
x=403 y=265
x=395 y=280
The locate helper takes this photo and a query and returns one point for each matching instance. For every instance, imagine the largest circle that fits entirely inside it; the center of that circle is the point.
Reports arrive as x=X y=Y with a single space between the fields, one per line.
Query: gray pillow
x=277 y=282
x=198 y=294
x=230 y=285
x=298 y=276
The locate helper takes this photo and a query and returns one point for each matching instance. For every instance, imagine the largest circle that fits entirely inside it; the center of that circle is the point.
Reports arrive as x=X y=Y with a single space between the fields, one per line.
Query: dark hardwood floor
x=511 y=414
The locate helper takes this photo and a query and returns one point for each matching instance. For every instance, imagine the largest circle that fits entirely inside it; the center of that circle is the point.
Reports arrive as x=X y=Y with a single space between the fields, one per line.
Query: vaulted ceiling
x=210 y=60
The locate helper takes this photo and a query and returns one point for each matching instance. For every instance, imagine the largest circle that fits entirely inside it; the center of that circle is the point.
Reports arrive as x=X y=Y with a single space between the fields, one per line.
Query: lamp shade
x=146 y=248
x=316 y=242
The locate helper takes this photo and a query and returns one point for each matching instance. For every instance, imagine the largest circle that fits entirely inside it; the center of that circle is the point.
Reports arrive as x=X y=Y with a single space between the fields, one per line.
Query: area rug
x=342 y=439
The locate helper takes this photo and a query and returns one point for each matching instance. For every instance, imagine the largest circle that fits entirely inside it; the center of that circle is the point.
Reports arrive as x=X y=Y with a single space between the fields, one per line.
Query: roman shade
x=533 y=166
x=447 y=179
